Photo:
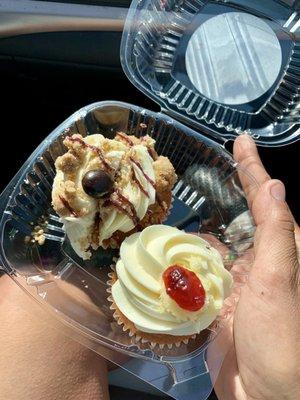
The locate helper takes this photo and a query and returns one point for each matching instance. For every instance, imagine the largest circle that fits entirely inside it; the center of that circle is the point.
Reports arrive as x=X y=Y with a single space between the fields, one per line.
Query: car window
x=111 y=3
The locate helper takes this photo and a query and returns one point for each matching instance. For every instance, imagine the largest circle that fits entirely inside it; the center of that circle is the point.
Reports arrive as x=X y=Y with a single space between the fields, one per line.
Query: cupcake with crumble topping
x=106 y=189
x=168 y=285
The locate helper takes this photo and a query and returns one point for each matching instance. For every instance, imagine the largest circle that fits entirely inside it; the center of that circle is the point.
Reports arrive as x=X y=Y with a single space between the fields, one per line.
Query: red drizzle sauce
x=142 y=171
x=125 y=138
x=151 y=153
x=128 y=202
x=138 y=183
x=120 y=206
x=184 y=287
x=120 y=202
x=68 y=207
x=95 y=149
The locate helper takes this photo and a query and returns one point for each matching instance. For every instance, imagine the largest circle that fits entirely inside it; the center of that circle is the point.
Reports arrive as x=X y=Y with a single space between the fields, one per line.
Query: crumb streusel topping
x=140 y=196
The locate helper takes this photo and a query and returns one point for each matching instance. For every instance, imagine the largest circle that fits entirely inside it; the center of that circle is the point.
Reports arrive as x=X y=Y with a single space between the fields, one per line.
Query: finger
x=276 y=263
x=246 y=154
x=228 y=385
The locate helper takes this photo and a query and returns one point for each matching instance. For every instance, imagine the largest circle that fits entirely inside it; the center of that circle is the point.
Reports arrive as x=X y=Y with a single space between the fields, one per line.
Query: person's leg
x=37 y=361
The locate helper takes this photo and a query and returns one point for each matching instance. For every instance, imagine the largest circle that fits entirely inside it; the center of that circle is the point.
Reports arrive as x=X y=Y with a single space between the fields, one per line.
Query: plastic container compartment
x=160 y=54
x=207 y=198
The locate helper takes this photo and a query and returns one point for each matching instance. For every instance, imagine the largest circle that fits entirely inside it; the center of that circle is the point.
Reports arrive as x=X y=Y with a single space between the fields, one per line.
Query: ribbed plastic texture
x=196 y=57
x=208 y=199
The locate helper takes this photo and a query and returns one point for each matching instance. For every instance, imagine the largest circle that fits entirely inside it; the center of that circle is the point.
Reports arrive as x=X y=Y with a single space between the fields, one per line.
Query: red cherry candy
x=184 y=287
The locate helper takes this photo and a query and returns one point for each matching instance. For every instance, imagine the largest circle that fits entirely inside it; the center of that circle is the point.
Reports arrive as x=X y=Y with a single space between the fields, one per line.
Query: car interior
x=56 y=57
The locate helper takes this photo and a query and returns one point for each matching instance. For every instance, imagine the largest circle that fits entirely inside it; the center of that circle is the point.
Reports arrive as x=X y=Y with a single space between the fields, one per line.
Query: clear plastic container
x=159 y=41
x=207 y=199
x=226 y=67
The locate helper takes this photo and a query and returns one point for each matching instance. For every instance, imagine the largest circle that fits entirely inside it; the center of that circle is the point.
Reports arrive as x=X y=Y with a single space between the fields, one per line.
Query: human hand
x=263 y=362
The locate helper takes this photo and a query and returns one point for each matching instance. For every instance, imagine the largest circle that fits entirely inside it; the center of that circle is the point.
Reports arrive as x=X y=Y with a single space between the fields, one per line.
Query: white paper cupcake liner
x=137 y=338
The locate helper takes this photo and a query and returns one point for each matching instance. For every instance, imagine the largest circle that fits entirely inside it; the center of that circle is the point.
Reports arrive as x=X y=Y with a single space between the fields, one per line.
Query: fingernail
x=246 y=142
x=278 y=191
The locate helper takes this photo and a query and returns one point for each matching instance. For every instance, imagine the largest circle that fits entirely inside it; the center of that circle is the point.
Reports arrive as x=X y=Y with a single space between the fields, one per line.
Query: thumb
x=276 y=262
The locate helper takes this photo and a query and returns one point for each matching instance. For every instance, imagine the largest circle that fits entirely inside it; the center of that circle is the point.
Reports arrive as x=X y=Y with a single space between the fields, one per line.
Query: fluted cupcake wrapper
x=139 y=337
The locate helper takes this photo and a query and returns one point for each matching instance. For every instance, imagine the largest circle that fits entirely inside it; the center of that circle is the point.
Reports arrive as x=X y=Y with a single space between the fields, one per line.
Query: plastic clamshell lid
x=225 y=66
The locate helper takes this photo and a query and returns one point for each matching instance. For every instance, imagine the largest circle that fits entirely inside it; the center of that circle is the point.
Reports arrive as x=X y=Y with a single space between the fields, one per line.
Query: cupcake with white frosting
x=107 y=189
x=168 y=285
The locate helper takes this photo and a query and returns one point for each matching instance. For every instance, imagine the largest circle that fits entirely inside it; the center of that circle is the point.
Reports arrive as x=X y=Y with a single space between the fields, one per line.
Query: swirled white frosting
x=112 y=219
x=139 y=291
x=119 y=157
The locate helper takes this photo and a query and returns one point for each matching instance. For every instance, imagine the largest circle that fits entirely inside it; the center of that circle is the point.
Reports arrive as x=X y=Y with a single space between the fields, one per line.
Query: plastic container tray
x=207 y=63
x=207 y=199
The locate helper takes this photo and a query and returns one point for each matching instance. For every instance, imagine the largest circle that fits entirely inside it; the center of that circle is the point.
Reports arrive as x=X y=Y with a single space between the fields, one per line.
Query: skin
x=263 y=333
x=263 y=361
x=39 y=362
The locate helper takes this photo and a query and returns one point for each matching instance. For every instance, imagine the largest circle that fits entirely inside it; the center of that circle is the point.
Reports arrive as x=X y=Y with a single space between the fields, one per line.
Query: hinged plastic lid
x=229 y=66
